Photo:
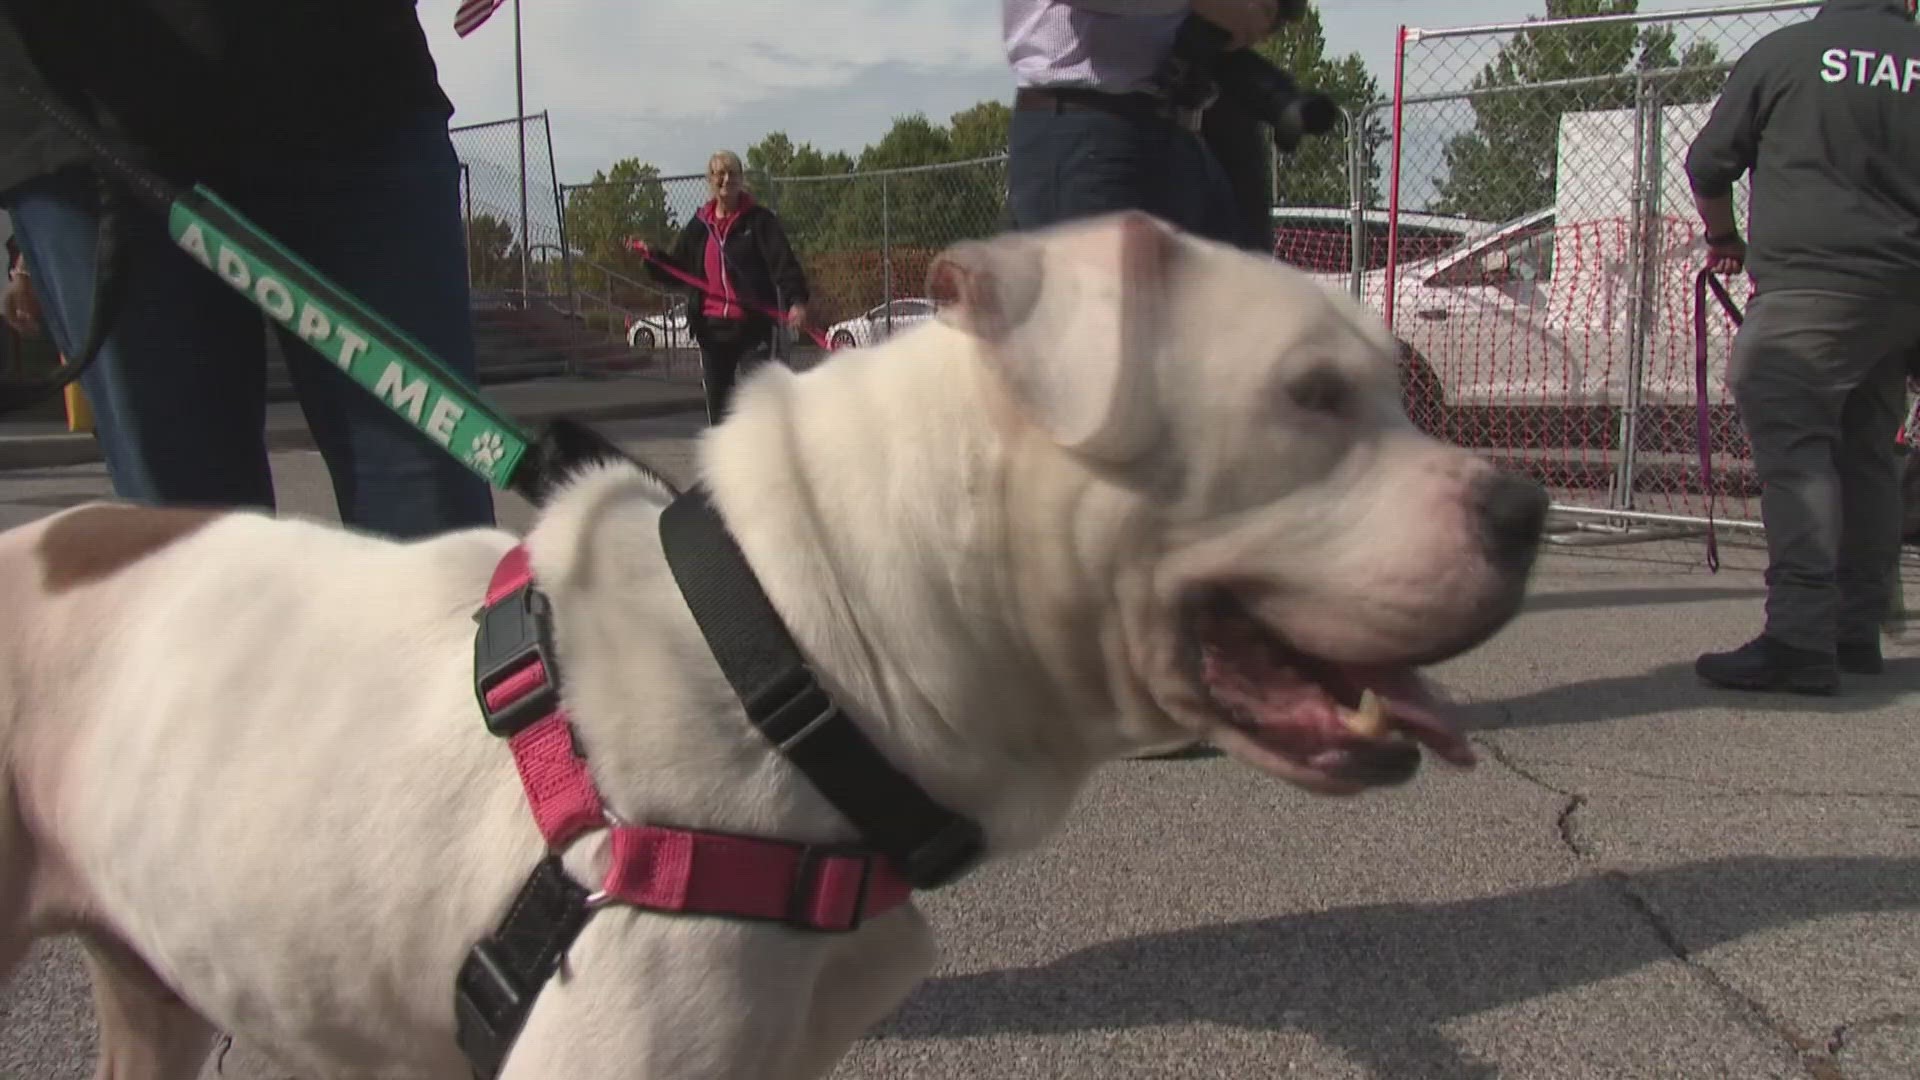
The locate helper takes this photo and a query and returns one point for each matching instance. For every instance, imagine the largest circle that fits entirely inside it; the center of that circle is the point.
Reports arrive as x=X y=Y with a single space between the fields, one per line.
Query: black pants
x=1820 y=380
x=729 y=348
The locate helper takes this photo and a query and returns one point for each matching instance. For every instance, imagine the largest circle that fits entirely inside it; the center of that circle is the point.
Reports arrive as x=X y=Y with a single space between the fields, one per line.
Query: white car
x=1320 y=238
x=878 y=324
x=664 y=331
x=1535 y=314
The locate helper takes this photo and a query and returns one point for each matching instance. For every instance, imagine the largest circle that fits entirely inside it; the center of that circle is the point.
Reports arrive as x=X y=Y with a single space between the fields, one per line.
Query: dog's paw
x=564 y=448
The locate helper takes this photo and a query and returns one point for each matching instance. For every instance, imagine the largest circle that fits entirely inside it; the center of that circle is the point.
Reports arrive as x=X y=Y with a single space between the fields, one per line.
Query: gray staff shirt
x=1826 y=115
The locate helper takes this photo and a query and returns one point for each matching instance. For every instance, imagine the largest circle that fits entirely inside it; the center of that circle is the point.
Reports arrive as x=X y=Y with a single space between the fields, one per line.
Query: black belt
x=1138 y=105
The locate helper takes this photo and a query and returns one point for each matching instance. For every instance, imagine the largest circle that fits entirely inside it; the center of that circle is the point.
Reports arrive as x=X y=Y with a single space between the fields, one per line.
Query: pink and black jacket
x=746 y=257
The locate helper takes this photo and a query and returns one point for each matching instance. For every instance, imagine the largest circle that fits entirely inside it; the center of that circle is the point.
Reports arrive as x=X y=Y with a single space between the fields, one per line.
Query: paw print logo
x=486 y=450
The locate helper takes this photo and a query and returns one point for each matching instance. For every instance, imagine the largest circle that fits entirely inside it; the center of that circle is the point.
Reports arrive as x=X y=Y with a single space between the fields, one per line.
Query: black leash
x=113 y=189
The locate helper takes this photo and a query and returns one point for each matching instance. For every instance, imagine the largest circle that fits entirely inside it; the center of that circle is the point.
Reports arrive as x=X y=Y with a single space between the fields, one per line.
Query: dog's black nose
x=1512 y=512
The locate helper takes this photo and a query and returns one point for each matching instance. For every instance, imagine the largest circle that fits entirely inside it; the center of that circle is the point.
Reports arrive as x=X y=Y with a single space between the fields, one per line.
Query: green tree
x=789 y=178
x=873 y=201
x=862 y=225
x=1506 y=165
x=980 y=130
x=492 y=255
x=625 y=201
x=1316 y=174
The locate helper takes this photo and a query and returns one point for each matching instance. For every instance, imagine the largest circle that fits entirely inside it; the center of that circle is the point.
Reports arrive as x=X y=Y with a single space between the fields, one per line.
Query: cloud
x=669 y=82
x=684 y=63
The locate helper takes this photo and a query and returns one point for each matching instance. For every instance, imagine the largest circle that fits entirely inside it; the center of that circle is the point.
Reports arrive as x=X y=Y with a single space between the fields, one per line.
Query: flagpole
x=520 y=120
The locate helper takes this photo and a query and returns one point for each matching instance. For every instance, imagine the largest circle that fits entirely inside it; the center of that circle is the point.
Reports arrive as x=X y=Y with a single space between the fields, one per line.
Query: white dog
x=1131 y=488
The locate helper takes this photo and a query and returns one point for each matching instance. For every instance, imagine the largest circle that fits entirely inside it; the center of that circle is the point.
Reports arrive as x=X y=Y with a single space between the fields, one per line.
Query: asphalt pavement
x=1644 y=878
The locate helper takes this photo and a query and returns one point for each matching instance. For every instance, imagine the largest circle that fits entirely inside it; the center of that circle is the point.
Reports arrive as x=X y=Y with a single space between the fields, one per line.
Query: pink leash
x=680 y=275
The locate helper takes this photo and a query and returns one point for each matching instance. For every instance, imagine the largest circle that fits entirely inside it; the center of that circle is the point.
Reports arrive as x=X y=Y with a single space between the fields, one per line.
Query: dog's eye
x=1322 y=391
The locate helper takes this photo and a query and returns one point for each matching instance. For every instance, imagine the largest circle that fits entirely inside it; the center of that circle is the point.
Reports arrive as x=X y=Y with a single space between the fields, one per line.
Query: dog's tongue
x=1295 y=705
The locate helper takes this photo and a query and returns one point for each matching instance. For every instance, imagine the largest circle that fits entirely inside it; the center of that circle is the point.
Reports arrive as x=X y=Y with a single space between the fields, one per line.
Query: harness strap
x=807 y=887
x=495 y=990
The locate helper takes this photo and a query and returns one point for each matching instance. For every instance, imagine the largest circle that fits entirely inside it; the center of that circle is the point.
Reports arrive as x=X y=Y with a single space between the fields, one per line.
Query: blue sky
x=671 y=82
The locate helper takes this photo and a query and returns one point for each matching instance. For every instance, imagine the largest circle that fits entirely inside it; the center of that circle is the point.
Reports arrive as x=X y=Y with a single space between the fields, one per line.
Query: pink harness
x=661 y=868
x=912 y=841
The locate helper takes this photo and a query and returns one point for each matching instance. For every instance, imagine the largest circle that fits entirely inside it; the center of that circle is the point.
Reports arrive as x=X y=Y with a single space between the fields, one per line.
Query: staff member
x=740 y=249
x=1093 y=132
x=1826 y=116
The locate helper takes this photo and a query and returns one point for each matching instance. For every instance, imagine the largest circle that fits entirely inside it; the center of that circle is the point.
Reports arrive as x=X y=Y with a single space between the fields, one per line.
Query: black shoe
x=1861 y=659
x=1765 y=664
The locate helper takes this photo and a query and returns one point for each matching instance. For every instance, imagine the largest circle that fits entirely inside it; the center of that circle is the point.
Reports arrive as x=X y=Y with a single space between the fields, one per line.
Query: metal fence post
x=1393 y=183
x=886 y=251
x=1357 y=199
x=1642 y=248
x=560 y=217
x=466 y=204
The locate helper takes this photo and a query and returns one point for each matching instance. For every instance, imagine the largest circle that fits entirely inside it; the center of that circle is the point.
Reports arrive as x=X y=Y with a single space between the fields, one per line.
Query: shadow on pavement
x=1379 y=981
x=1674 y=688
x=1616 y=598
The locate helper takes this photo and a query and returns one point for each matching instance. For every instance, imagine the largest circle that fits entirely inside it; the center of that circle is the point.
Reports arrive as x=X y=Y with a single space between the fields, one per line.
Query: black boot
x=1861 y=659
x=1766 y=664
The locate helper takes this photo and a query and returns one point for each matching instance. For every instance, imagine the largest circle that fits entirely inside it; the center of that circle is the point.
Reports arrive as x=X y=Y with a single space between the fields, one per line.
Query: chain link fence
x=512 y=208
x=1553 y=328
x=864 y=239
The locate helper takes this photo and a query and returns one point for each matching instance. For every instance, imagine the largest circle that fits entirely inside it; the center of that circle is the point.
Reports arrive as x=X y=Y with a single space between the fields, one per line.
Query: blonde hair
x=728 y=157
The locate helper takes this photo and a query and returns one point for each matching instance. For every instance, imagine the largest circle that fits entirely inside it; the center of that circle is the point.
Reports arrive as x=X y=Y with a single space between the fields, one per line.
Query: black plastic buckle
x=487 y=992
x=946 y=856
x=794 y=708
x=806 y=876
x=503 y=974
x=514 y=633
x=802 y=708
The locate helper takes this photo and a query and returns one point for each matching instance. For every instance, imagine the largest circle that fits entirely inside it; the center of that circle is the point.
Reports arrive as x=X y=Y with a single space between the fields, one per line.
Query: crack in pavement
x=1817 y=1057
x=1720 y=789
x=1837 y=1042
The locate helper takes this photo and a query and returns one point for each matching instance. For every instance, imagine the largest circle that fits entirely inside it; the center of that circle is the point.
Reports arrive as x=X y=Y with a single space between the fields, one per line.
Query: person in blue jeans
x=349 y=165
x=1093 y=133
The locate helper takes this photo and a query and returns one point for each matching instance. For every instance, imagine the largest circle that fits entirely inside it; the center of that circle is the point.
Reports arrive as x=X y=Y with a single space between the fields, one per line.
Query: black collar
x=931 y=845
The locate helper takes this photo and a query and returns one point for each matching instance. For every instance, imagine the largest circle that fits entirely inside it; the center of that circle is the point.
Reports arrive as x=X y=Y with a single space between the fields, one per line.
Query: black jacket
x=1826 y=114
x=199 y=86
x=759 y=260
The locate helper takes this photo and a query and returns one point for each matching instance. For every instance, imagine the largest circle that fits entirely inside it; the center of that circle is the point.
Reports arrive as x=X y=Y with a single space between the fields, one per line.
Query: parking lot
x=1643 y=878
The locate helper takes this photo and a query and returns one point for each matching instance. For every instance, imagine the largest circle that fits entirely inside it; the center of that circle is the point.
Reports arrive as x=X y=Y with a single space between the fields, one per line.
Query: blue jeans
x=1067 y=165
x=179 y=388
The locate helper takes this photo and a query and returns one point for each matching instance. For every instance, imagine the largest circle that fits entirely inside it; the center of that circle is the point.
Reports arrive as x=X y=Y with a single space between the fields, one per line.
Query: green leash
x=389 y=363
x=382 y=358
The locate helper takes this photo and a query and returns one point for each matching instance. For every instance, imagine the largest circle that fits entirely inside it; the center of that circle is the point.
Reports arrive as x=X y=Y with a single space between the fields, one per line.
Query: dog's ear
x=1069 y=316
x=564 y=448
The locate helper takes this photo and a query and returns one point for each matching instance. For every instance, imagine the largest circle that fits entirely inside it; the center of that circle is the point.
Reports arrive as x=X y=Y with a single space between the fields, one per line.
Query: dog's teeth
x=1369 y=721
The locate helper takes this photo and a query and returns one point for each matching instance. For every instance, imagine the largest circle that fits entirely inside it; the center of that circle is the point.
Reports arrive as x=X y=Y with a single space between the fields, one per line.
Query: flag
x=472 y=13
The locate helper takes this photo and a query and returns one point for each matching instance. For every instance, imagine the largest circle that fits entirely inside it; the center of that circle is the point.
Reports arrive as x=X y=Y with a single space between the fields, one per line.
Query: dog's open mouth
x=1281 y=708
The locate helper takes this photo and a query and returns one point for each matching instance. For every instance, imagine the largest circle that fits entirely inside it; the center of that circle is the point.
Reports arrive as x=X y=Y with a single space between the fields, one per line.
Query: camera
x=1201 y=66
